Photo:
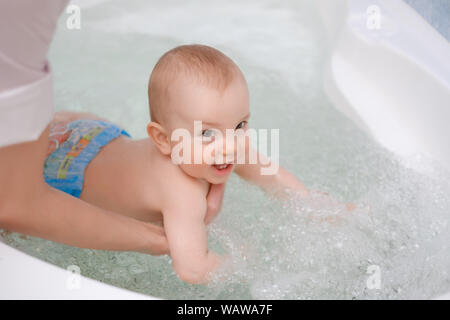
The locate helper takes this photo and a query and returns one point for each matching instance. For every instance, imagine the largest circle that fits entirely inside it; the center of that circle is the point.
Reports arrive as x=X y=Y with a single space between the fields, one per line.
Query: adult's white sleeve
x=26 y=88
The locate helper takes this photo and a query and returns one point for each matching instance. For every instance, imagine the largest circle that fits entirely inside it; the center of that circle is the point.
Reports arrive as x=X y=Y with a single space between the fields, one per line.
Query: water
x=297 y=249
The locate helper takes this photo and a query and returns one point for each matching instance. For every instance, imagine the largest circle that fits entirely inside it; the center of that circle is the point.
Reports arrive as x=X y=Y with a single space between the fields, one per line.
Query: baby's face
x=218 y=111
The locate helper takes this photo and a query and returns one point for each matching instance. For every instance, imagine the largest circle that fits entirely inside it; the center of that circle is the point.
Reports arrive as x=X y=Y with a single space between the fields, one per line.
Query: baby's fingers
x=350 y=206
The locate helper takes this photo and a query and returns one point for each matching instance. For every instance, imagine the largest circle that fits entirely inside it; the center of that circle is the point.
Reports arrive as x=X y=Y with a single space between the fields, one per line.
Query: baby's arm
x=278 y=181
x=214 y=201
x=188 y=243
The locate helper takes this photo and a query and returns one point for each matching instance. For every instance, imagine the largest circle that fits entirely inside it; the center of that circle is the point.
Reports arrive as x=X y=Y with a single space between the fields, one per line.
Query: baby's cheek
x=194 y=170
x=242 y=149
x=209 y=154
x=197 y=152
x=244 y=144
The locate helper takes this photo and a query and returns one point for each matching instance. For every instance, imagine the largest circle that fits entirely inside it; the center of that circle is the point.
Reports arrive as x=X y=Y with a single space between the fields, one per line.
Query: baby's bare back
x=122 y=175
x=123 y=178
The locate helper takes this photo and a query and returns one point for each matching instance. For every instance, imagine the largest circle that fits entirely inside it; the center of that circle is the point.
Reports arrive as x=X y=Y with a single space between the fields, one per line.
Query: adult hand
x=27 y=204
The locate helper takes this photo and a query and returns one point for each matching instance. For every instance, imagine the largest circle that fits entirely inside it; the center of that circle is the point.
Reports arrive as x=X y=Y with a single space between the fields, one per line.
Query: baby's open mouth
x=223 y=168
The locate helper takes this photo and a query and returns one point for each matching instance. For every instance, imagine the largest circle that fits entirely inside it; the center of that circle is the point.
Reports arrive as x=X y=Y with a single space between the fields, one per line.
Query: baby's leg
x=58 y=127
x=69 y=116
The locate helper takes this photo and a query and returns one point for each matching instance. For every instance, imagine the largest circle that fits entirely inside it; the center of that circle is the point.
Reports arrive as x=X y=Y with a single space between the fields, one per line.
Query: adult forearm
x=56 y=216
x=30 y=206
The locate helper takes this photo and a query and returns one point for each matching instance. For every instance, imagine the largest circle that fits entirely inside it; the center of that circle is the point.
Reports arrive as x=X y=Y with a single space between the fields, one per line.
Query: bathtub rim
x=42 y=280
x=94 y=289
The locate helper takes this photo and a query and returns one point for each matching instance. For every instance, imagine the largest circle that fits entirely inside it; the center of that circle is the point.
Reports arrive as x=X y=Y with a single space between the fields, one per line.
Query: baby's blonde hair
x=204 y=64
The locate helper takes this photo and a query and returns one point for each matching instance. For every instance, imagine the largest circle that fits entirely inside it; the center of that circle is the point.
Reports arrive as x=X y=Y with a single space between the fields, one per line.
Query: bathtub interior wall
x=388 y=80
x=400 y=231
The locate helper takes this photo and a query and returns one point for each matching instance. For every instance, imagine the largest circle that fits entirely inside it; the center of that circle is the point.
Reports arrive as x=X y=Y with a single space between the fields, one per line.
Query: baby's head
x=198 y=83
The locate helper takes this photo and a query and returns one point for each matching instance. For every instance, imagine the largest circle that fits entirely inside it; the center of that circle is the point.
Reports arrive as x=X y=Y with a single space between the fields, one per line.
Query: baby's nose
x=229 y=148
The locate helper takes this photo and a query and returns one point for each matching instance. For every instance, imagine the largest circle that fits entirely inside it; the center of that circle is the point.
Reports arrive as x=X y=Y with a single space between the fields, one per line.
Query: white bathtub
x=391 y=78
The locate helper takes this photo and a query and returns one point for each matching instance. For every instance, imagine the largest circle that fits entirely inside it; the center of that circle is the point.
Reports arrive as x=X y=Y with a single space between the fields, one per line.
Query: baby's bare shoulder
x=180 y=190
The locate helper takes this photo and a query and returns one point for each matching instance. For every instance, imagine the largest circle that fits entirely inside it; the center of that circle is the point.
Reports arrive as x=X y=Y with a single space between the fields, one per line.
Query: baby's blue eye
x=207 y=133
x=241 y=125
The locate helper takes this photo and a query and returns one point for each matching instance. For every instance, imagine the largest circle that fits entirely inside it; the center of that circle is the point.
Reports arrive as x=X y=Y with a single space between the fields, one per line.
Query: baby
x=97 y=161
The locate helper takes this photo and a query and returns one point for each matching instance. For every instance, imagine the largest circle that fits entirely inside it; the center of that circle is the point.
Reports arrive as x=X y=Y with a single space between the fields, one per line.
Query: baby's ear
x=159 y=136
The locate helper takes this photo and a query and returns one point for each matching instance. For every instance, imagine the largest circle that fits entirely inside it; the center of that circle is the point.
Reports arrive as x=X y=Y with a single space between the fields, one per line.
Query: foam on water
x=298 y=248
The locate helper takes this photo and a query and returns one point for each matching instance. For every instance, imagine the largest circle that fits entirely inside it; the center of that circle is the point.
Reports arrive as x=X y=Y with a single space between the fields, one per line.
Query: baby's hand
x=214 y=201
x=322 y=203
x=350 y=206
